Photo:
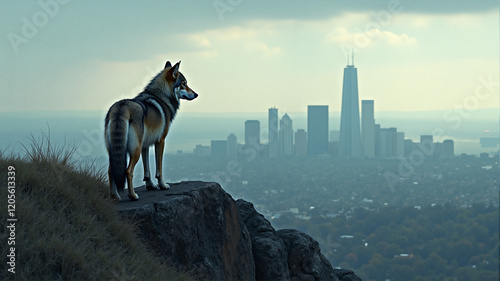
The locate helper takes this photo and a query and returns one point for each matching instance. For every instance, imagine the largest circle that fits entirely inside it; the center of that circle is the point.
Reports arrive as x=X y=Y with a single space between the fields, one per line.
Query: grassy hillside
x=67 y=228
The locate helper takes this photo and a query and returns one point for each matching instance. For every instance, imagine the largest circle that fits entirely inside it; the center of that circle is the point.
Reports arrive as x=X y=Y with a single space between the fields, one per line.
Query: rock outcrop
x=198 y=226
x=286 y=254
x=269 y=251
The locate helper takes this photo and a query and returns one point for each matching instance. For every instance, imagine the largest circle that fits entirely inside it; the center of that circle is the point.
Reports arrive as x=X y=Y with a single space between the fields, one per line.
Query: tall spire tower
x=350 y=136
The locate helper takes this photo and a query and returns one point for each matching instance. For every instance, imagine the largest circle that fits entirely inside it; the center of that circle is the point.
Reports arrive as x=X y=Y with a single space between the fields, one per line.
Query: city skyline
x=387 y=142
x=355 y=139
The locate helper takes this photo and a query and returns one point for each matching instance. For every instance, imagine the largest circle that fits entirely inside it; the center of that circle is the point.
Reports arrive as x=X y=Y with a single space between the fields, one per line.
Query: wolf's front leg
x=159 y=164
x=145 y=163
x=162 y=185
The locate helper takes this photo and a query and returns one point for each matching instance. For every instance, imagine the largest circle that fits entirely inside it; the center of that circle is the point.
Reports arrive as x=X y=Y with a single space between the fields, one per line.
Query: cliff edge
x=202 y=229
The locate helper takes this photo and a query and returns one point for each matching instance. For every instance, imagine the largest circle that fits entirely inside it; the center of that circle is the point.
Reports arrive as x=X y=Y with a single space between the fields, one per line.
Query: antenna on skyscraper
x=352 y=51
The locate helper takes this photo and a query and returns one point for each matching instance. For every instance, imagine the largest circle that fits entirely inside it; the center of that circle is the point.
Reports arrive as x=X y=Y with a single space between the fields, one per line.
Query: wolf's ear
x=168 y=64
x=176 y=69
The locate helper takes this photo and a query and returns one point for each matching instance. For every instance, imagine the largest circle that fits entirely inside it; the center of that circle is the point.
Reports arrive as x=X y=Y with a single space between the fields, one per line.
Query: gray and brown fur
x=133 y=125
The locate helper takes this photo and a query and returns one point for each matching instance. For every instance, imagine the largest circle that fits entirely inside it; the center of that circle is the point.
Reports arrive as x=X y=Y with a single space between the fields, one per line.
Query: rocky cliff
x=199 y=227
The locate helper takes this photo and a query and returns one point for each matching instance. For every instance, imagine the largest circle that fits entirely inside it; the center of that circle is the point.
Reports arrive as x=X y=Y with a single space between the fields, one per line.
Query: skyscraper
x=286 y=135
x=426 y=139
x=252 y=132
x=232 y=146
x=368 y=128
x=427 y=145
x=317 y=128
x=219 y=149
x=448 y=149
x=301 y=143
x=350 y=136
x=400 y=144
x=273 y=132
x=444 y=150
x=377 y=140
x=385 y=143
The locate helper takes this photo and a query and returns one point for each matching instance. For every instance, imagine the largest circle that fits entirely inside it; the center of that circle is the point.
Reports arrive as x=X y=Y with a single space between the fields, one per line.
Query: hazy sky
x=247 y=55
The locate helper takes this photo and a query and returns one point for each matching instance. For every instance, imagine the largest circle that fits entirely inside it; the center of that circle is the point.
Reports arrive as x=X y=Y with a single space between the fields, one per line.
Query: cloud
x=369 y=38
x=390 y=38
x=264 y=48
x=316 y=9
x=227 y=34
x=253 y=38
x=200 y=40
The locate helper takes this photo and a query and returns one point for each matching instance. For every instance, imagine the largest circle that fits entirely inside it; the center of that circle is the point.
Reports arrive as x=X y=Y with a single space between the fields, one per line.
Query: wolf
x=133 y=125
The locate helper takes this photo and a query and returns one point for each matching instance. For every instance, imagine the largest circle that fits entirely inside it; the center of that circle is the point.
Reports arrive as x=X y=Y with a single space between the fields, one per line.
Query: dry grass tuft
x=67 y=228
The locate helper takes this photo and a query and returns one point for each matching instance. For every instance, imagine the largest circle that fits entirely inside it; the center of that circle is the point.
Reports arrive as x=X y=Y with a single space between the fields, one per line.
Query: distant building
x=201 y=150
x=301 y=143
x=286 y=135
x=350 y=135
x=368 y=128
x=252 y=132
x=334 y=136
x=394 y=133
x=426 y=138
x=263 y=150
x=273 y=132
x=427 y=145
x=484 y=155
x=390 y=143
x=317 y=129
x=385 y=143
x=489 y=142
x=219 y=149
x=409 y=146
x=400 y=144
x=333 y=143
x=232 y=147
x=448 y=150
x=333 y=148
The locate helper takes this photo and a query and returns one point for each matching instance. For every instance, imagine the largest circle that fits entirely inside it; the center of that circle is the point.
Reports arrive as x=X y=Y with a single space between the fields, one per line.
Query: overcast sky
x=247 y=55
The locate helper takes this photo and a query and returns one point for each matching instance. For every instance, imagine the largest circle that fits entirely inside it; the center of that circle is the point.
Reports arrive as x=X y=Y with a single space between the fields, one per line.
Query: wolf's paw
x=116 y=198
x=151 y=186
x=165 y=186
x=132 y=198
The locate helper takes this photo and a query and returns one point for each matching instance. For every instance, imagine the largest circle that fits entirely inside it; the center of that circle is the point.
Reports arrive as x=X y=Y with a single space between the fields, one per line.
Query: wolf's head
x=171 y=82
x=174 y=77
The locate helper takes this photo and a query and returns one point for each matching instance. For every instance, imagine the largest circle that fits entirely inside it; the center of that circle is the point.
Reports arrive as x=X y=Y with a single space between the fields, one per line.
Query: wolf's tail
x=117 y=139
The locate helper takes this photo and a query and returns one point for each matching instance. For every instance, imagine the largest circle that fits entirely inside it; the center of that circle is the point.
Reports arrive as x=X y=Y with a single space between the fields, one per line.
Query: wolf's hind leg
x=147 y=177
x=112 y=188
x=134 y=158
